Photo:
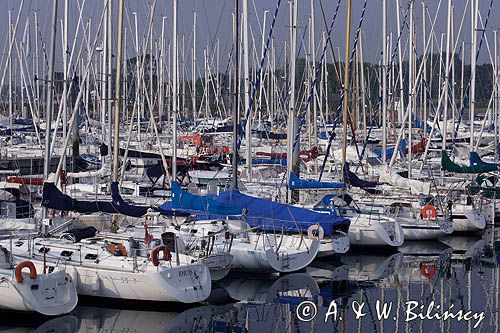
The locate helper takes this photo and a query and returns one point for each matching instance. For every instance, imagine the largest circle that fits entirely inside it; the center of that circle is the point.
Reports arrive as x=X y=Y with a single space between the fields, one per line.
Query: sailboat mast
x=384 y=82
x=346 y=83
x=50 y=82
x=293 y=121
x=246 y=87
x=193 y=71
x=474 y=12
x=174 y=93
x=118 y=92
x=236 y=105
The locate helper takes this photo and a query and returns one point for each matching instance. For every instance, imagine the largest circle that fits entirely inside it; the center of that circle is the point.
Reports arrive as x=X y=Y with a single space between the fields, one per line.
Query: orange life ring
x=429 y=212
x=19 y=268
x=428 y=271
x=167 y=256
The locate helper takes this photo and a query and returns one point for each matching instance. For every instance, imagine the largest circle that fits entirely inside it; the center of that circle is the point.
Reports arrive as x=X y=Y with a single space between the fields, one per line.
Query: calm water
x=456 y=273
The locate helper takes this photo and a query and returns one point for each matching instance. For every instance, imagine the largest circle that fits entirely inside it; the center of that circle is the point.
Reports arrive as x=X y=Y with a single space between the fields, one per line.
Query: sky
x=214 y=24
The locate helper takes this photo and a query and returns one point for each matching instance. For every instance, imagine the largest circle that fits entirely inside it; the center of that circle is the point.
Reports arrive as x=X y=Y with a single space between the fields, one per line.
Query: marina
x=249 y=166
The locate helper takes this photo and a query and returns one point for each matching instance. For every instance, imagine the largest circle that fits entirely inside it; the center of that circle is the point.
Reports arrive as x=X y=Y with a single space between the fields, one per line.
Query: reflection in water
x=457 y=272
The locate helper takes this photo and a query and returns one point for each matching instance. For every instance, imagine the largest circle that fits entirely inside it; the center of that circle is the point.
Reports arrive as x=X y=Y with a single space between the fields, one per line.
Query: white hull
x=338 y=243
x=49 y=294
x=375 y=233
x=468 y=221
x=261 y=254
x=424 y=230
x=115 y=277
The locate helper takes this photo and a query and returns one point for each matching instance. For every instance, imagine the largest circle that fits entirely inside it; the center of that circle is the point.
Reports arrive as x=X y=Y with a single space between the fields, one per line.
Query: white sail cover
x=104 y=171
x=415 y=186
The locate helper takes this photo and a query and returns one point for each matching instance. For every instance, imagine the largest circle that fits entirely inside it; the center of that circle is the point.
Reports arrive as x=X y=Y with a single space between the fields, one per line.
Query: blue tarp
x=390 y=151
x=297 y=183
x=353 y=179
x=275 y=216
x=258 y=161
x=54 y=199
x=125 y=208
x=260 y=213
x=185 y=200
x=476 y=161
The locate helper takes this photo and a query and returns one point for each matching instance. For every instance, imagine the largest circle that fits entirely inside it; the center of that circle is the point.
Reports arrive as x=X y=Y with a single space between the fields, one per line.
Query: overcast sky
x=214 y=22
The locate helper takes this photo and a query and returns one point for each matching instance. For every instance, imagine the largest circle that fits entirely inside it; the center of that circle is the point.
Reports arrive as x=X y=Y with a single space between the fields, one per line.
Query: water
x=458 y=272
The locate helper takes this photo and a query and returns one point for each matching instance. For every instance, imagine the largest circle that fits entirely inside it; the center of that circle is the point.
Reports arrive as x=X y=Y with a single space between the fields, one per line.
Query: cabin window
x=66 y=253
x=18 y=243
x=91 y=256
x=44 y=249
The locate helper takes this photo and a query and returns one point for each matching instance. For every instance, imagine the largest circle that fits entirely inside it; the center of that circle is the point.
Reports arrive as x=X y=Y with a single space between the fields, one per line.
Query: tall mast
x=193 y=70
x=384 y=81
x=446 y=78
x=313 y=66
x=424 y=59
x=246 y=87
x=11 y=109
x=65 y=75
x=118 y=87
x=293 y=121
x=174 y=93
x=474 y=13
x=50 y=89
x=411 y=95
x=161 y=104
x=236 y=104
x=346 y=81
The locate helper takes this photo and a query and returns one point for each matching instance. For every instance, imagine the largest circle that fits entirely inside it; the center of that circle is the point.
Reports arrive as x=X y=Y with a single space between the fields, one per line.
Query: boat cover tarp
x=124 y=207
x=475 y=166
x=415 y=186
x=53 y=198
x=269 y=215
x=418 y=148
x=476 y=161
x=390 y=151
x=274 y=216
x=296 y=183
x=352 y=179
x=184 y=200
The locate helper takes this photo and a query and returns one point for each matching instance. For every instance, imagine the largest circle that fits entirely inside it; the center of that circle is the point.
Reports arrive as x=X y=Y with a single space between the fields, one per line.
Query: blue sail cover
x=185 y=200
x=476 y=161
x=54 y=199
x=296 y=183
x=125 y=208
x=352 y=179
x=390 y=151
x=261 y=213
x=275 y=216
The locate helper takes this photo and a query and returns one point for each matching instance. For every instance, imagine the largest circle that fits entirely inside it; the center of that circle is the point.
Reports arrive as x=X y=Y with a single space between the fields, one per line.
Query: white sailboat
x=105 y=269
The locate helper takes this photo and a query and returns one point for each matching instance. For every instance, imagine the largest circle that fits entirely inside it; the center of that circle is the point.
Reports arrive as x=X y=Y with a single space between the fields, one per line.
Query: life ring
x=320 y=232
x=225 y=149
x=429 y=212
x=167 y=256
x=19 y=268
x=428 y=271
